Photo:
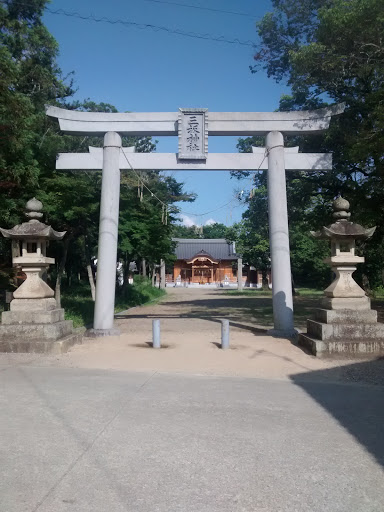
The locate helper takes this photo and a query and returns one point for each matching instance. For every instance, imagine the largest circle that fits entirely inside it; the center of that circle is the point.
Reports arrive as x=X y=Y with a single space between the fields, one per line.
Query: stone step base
x=42 y=347
x=36 y=332
x=32 y=317
x=23 y=305
x=353 y=303
x=346 y=316
x=339 y=331
x=342 y=348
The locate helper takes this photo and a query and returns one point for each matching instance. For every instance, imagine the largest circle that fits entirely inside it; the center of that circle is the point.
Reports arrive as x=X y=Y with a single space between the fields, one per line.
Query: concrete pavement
x=89 y=440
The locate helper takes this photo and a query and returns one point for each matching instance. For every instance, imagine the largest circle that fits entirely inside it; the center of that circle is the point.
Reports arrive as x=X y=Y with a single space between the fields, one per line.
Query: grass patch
x=257 y=306
x=79 y=306
x=262 y=292
x=253 y=292
x=309 y=292
x=140 y=293
x=378 y=293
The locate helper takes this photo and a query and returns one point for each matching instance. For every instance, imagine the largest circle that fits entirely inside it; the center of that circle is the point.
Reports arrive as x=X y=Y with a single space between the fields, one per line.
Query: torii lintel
x=220 y=123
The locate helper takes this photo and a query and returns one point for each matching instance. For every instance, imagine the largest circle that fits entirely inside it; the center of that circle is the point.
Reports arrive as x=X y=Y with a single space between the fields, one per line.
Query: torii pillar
x=108 y=233
x=279 y=237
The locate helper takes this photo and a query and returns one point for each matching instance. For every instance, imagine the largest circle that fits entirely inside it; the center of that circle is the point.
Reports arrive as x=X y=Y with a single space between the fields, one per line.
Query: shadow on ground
x=241 y=311
x=359 y=409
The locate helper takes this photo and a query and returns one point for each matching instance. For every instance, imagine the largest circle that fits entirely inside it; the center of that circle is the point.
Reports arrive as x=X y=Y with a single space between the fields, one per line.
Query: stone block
x=347 y=316
x=346 y=303
x=322 y=331
x=99 y=333
x=344 y=286
x=42 y=347
x=37 y=332
x=33 y=304
x=33 y=287
x=316 y=347
x=342 y=348
x=32 y=317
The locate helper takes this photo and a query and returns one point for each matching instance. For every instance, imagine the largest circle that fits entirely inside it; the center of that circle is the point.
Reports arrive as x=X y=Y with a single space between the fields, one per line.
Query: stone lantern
x=34 y=323
x=29 y=251
x=346 y=323
x=343 y=235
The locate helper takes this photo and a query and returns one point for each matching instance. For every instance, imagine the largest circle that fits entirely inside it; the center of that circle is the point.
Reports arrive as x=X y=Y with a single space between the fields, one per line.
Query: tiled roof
x=218 y=248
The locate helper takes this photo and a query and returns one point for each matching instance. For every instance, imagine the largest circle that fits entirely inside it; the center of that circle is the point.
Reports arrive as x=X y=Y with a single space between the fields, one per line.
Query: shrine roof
x=218 y=248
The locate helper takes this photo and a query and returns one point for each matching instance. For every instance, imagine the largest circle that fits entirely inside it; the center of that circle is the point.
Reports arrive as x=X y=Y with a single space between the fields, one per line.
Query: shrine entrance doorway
x=203 y=269
x=202 y=274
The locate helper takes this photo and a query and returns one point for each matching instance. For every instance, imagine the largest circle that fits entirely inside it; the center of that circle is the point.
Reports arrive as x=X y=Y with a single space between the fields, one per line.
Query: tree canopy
x=214 y=230
x=318 y=47
x=30 y=141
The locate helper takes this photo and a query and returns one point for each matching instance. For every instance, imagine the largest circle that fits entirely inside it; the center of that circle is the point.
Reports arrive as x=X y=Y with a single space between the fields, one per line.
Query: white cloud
x=210 y=222
x=187 y=221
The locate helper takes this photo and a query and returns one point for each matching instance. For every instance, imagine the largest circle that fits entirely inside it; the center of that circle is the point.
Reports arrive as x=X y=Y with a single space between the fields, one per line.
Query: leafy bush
x=139 y=293
x=79 y=306
x=378 y=293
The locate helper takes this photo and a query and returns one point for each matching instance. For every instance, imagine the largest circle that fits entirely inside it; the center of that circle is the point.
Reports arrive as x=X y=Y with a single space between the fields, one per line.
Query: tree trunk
x=143 y=268
x=153 y=275
x=61 y=271
x=127 y=259
x=127 y=262
x=265 y=285
x=89 y=269
x=91 y=281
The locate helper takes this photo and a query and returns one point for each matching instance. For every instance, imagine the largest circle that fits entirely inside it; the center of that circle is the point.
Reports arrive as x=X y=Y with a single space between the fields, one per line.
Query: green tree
x=306 y=209
x=319 y=48
x=29 y=142
x=215 y=230
x=29 y=78
x=180 y=231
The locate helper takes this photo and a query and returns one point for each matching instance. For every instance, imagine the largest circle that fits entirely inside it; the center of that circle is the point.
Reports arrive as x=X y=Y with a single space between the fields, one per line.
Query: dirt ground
x=190 y=337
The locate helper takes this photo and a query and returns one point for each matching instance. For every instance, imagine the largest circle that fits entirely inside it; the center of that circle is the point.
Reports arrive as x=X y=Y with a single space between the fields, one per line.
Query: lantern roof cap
x=34 y=228
x=343 y=228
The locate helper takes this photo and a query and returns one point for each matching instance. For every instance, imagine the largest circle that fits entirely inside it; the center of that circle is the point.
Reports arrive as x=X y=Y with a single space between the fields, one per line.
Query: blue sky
x=144 y=70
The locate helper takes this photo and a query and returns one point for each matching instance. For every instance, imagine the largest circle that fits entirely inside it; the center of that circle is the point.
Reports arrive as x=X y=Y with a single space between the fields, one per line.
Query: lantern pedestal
x=345 y=325
x=36 y=325
x=34 y=322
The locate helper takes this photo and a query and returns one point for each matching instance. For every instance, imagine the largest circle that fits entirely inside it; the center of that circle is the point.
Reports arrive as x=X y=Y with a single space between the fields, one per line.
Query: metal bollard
x=224 y=334
x=156 y=341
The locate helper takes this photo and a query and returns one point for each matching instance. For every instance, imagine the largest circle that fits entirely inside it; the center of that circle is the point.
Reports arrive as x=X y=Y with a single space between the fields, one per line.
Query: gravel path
x=190 y=332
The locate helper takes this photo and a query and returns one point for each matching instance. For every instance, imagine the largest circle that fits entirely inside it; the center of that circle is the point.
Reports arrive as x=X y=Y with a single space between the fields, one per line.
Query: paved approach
x=91 y=435
x=101 y=440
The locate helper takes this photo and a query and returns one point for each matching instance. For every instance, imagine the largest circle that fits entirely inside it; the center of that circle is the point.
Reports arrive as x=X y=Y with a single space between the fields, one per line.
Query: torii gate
x=192 y=127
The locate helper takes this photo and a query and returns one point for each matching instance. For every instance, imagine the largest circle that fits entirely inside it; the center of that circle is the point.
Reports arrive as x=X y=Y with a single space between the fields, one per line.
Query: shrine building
x=204 y=261
x=209 y=261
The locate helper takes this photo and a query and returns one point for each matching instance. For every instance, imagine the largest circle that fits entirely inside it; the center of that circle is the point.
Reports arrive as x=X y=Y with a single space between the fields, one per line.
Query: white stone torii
x=274 y=157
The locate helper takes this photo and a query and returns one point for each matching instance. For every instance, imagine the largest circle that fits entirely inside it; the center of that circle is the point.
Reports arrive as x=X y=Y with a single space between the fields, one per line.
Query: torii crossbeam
x=214 y=162
x=192 y=126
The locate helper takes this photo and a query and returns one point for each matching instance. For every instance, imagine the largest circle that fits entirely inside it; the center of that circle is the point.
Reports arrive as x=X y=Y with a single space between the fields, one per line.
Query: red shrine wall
x=205 y=273
x=183 y=271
